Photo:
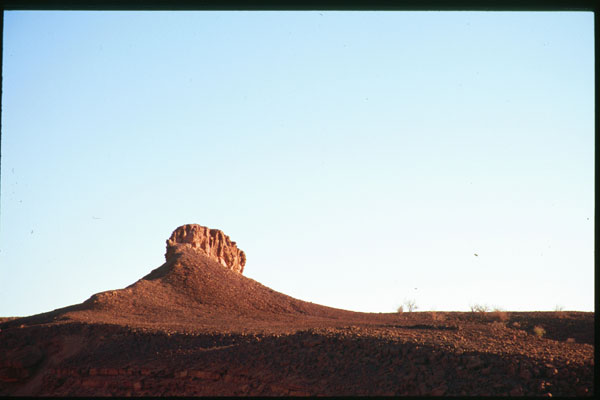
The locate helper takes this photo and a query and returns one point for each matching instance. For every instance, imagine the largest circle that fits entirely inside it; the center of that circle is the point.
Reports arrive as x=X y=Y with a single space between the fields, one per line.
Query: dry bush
x=560 y=312
x=411 y=305
x=539 y=331
x=570 y=340
x=499 y=315
x=479 y=308
x=480 y=312
x=400 y=309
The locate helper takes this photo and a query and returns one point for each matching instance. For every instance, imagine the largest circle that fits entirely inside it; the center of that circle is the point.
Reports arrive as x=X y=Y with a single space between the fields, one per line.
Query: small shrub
x=539 y=331
x=480 y=308
x=499 y=315
x=411 y=305
x=516 y=324
x=400 y=309
x=570 y=340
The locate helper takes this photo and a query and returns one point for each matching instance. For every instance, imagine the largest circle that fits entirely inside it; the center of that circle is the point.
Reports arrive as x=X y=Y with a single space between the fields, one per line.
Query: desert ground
x=196 y=326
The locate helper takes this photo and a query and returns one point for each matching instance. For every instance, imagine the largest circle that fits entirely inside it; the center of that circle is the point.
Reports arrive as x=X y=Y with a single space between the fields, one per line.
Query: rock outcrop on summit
x=210 y=242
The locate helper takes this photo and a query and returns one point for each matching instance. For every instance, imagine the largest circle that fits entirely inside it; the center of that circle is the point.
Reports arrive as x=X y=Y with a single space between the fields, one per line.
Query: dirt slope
x=192 y=292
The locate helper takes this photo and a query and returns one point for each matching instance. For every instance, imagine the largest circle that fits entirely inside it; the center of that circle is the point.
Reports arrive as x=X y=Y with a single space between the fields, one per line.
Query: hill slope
x=192 y=289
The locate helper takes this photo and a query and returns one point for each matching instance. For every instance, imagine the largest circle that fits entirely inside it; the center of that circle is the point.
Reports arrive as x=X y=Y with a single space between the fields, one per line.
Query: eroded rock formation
x=210 y=242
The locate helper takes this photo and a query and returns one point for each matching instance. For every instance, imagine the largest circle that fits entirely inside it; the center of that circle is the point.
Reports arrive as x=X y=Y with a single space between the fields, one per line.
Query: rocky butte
x=212 y=243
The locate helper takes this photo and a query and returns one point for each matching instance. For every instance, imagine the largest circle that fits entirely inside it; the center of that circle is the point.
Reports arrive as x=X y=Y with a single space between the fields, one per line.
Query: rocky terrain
x=197 y=326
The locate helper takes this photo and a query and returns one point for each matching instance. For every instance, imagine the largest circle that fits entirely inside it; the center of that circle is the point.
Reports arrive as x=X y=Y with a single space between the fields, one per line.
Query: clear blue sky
x=358 y=158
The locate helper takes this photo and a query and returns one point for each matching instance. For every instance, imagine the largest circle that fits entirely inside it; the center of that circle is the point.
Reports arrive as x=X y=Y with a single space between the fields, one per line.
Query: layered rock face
x=210 y=242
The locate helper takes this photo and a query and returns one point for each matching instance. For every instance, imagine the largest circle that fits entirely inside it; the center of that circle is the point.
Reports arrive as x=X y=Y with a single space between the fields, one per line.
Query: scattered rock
x=439 y=391
x=525 y=374
x=209 y=375
x=474 y=362
x=516 y=391
x=551 y=371
x=181 y=374
x=511 y=370
x=25 y=357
